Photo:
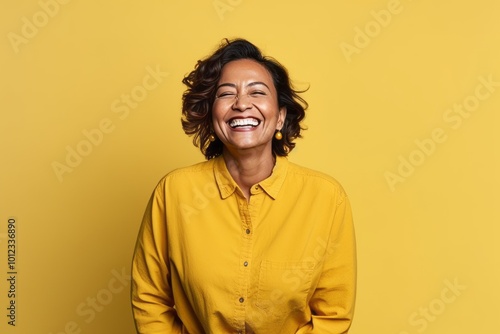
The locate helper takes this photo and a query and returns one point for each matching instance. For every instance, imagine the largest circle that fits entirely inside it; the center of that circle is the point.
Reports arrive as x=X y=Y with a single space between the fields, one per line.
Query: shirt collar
x=271 y=185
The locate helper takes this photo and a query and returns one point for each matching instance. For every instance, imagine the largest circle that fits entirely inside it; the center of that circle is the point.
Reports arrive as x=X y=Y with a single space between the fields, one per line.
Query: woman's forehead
x=246 y=71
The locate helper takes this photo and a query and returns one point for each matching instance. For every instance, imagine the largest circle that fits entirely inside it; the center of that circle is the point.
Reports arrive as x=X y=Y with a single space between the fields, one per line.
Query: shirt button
x=242 y=299
x=248 y=231
x=245 y=263
x=256 y=187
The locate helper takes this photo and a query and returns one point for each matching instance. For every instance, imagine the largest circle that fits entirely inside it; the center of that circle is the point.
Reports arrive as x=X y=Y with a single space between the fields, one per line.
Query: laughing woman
x=245 y=242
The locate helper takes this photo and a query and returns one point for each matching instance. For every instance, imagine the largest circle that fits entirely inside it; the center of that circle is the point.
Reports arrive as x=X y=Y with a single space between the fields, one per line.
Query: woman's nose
x=242 y=102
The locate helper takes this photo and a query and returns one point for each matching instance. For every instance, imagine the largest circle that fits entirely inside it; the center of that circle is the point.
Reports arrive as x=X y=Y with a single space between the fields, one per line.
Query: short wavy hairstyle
x=199 y=97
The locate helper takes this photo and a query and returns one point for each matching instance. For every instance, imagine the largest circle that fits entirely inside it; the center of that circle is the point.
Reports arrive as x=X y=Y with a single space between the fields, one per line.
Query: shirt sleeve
x=152 y=299
x=332 y=303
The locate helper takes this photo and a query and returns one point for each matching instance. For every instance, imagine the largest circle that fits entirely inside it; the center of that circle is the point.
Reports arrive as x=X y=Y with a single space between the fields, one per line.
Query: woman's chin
x=248 y=145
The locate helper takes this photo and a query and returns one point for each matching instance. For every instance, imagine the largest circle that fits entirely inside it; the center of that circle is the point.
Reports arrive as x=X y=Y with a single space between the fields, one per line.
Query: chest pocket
x=283 y=287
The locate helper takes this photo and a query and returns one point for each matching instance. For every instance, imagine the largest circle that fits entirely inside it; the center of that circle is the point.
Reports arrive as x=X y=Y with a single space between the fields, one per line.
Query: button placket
x=245 y=257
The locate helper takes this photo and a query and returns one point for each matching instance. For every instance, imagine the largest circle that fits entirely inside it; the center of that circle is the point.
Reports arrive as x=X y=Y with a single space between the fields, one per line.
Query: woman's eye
x=256 y=93
x=226 y=95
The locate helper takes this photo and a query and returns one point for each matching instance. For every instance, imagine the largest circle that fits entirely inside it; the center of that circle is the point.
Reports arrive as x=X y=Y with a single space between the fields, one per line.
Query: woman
x=245 y=242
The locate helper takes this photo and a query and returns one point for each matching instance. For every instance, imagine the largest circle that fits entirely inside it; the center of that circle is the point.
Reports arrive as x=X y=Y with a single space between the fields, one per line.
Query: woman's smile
x=238 y=123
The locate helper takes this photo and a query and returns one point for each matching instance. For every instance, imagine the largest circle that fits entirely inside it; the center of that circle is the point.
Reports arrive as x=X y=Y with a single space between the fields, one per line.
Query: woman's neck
x=249 y=168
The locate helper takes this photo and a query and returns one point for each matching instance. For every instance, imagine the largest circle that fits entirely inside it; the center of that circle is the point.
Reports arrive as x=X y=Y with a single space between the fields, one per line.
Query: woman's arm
x=152 y=300
x=332 y=303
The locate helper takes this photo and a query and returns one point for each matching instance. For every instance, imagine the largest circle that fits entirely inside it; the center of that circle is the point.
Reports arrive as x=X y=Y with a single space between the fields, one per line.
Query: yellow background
x=436 y=226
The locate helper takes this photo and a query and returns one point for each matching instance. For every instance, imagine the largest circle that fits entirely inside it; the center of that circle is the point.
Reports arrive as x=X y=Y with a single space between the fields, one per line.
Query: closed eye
x=226 y=94
x=258 y=92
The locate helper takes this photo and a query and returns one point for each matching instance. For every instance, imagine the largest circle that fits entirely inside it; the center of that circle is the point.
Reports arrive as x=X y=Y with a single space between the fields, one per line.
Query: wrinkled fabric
x=208 y=260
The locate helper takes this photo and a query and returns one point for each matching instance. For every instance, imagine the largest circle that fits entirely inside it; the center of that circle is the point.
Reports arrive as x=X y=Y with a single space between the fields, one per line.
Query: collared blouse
x=208 y=260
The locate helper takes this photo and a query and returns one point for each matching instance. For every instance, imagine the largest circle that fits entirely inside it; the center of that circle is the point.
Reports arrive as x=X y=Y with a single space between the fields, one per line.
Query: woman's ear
x=281 y=117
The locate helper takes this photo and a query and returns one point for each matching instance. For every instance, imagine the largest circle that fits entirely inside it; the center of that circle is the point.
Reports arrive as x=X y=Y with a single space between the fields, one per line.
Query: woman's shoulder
x=188 y=172
x=317 y=177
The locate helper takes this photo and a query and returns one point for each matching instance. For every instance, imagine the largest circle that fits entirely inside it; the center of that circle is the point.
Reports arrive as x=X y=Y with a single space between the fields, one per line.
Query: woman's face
x=245 y=112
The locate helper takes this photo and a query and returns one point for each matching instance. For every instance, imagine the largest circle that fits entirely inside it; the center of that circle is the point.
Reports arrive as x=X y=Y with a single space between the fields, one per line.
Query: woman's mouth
x=243 y=122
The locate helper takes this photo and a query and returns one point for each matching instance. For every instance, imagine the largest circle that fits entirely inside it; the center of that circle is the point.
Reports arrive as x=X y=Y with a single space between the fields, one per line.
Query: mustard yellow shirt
x=209 y=261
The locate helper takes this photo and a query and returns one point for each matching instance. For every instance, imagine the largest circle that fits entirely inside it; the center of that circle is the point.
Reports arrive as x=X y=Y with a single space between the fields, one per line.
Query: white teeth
x=243 y=122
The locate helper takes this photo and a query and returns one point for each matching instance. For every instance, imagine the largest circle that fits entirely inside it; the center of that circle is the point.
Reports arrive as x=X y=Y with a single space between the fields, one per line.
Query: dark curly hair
x=199 y=97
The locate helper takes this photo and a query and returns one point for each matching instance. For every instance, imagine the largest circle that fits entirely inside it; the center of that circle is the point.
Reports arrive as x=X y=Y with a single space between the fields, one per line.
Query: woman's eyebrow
x=226 y=84
x=257 y=83
x=254 y=83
